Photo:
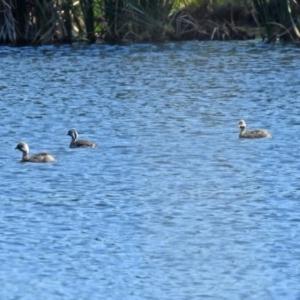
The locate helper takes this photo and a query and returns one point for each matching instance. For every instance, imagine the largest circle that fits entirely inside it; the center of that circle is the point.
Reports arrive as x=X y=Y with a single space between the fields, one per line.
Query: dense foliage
x=24 y=22
x=280 y=19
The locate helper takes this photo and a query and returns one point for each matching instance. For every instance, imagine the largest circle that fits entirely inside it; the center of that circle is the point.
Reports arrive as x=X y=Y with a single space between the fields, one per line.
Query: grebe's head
x=23 y=147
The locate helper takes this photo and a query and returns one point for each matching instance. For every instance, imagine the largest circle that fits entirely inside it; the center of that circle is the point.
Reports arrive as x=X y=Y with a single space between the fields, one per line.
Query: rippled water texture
x=171 y=205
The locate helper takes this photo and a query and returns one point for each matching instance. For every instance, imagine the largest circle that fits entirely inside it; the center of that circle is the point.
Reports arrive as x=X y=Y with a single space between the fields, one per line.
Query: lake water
x=171 y=205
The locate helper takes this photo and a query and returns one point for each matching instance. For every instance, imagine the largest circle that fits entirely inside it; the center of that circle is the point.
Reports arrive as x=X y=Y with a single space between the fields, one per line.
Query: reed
x=112 y=12
x=87 y=7
x=67 y=8
x=278 y=18
x=136 y=19
x=8 y=30
x=64 y=21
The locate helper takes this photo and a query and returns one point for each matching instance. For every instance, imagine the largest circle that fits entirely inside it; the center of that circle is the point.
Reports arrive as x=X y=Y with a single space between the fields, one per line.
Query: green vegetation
x=279 y=18
x=35 y=22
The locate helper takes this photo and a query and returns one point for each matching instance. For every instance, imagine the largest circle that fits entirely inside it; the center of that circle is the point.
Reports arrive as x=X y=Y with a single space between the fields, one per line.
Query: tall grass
x=30 y=22
x=50 y=21
x=64 y=21
x=8 y=30
x=136 y=19
x=87 y=7
x=279 y=19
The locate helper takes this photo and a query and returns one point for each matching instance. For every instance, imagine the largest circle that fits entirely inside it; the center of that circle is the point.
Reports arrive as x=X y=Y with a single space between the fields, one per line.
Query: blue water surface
x=171 y=204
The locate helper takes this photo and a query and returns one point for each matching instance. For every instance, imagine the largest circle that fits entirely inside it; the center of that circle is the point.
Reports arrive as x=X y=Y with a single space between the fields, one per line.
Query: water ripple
x=171 y=205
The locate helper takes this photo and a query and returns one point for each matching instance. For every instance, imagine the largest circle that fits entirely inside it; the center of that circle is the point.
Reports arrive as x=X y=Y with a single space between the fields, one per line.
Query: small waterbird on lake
x=42 y=157
x=79 y=143
x=253 y=134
